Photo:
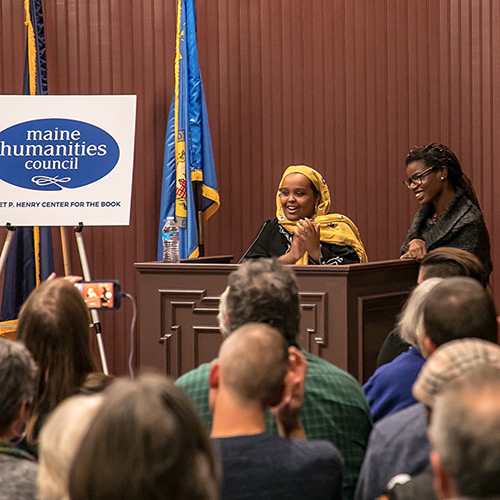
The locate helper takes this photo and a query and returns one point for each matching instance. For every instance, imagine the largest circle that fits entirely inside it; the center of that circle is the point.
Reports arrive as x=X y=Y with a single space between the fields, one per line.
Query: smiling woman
x=303 y=232
x=450 y=215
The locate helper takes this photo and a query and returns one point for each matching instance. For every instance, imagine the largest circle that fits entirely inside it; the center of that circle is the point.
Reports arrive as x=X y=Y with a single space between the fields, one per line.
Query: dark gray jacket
x=461 y=226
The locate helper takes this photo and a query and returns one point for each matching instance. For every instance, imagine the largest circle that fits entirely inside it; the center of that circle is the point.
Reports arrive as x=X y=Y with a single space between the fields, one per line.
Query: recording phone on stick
x=100 y=294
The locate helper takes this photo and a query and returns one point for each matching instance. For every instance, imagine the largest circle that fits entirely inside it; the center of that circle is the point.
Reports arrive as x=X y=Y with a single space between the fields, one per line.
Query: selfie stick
x=93 y=312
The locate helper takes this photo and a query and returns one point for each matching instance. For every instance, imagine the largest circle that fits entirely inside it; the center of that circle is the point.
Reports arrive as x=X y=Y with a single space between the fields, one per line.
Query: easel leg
x=65 y=251
x=6 y=246
x=86 y=275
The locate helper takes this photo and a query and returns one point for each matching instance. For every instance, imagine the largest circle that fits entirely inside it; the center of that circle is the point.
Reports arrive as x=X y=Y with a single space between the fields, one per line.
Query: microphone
x=255 y=240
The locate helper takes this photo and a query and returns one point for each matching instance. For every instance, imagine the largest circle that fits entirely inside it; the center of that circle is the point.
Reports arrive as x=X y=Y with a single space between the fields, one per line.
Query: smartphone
x=100 y=294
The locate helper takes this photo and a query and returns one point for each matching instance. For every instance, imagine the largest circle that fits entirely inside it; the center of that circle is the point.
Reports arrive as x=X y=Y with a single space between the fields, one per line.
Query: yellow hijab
x=334 y=228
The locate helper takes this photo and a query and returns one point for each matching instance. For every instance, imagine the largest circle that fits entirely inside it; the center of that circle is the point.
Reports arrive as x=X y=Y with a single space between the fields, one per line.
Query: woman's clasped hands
x=305 y=239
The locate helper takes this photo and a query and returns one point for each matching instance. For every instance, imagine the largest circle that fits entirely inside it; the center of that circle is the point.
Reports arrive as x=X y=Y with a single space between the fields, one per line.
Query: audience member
x=54 y=324
x=18 y=469
x=465 y=436
x=265 y=291
x=456 y=308
x=447 y=364
x=146 y=442
x=60 y=438
x=389 y=388
x=446 y=262
x=249 y=376
x=443 y=262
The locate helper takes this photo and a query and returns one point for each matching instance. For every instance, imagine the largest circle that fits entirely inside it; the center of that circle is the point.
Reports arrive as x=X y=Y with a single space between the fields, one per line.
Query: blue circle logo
x=56 y=153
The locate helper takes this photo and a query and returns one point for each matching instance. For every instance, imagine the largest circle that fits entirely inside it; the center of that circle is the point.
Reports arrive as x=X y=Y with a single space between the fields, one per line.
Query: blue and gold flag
x=30 y=258
x=188 y=147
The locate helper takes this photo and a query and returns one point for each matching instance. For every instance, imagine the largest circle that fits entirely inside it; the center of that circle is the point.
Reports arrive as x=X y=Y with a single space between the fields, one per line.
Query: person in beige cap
x=465 y=436
x=456 y=308
x=448 y=363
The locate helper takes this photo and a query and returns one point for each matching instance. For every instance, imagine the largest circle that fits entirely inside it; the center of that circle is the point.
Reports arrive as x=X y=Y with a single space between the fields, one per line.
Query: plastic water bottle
x=170 y=237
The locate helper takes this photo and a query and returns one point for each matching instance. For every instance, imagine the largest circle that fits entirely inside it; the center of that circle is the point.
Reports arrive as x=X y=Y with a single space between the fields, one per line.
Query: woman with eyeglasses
x=450 y=215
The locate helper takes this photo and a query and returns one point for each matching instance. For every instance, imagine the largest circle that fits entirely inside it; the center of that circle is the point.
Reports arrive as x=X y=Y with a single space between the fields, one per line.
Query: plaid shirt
x=334 y=409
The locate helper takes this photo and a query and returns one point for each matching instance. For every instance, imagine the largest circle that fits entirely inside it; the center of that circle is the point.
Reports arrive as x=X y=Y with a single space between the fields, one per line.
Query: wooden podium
x=347 y=311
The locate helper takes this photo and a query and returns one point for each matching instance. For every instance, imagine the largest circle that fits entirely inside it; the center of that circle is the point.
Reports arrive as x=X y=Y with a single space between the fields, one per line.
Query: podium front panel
x=347 y=311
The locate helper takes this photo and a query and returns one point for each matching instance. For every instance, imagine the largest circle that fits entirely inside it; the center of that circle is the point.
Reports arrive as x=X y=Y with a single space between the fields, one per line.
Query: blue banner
x=30 y=258
x=188 y=146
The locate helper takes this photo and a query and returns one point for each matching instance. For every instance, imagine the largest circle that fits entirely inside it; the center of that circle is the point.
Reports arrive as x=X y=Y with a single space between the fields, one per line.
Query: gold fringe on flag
x=31 y=48
x=36 y=243
x=32 y=81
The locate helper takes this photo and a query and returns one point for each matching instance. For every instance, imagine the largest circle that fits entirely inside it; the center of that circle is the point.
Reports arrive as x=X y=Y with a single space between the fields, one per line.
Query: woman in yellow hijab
x=303 y=231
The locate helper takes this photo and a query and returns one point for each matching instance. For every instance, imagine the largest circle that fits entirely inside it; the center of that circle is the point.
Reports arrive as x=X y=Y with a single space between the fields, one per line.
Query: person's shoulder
x=20 y=461
x=320 y=448
x=314 y=457
x=321 y=366
x=195 y=377
x=466 y=210
x=296 y=450
x=18 y=477
x=271 y=225
x=399 y=366
x=320 y=370
x=398 y=424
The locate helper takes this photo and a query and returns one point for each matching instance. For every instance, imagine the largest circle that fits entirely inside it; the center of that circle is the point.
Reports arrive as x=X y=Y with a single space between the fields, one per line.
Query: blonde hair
x=60 y=438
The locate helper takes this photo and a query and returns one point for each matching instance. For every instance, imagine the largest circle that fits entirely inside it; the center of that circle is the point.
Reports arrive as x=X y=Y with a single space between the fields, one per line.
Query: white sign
x=66 y=160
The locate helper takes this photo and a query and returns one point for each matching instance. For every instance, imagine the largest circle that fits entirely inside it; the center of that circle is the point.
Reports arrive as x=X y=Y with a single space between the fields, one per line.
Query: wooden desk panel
x=347 y=312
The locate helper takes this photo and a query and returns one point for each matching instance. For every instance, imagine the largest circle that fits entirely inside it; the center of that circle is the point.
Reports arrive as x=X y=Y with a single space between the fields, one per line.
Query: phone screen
x=98 y=294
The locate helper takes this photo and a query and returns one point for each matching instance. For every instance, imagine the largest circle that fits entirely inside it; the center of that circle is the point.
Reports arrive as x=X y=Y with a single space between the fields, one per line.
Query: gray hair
x=17 y=373
x=224 y=328
x=465 y=432
x=264 y=291
x=411 y=322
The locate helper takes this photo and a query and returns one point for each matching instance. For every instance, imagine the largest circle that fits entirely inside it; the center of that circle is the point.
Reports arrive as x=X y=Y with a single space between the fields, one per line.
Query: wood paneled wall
x=346 y=86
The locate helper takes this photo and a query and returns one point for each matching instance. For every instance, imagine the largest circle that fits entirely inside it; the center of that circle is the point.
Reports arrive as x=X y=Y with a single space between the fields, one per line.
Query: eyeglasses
x=417 y=178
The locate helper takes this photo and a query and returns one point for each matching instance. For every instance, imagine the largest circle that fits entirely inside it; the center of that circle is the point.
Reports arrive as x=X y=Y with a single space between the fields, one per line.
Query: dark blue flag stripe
x=20 y=269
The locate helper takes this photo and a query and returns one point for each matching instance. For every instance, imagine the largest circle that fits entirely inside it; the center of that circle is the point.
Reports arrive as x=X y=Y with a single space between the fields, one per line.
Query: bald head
x=459 y=308
x=253 y=363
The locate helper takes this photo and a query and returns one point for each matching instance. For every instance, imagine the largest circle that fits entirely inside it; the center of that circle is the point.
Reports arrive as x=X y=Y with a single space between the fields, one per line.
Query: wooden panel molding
x=377 y=316
x=314 y=333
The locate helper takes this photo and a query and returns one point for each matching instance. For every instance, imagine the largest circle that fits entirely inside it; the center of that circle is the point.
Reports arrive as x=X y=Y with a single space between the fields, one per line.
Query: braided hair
x=439 y=155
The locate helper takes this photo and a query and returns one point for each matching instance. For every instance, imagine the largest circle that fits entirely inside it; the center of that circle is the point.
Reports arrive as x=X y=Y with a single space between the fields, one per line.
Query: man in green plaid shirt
x=334 y=408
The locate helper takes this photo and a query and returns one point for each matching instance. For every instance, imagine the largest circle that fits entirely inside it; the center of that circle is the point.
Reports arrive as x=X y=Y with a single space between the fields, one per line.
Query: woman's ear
x=444 y=173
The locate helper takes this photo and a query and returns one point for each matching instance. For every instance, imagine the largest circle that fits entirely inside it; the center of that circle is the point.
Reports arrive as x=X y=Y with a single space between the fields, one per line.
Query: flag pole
x=198 y=200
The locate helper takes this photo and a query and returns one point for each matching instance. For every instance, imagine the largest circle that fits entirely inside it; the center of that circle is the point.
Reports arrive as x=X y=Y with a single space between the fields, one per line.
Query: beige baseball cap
x=451 y=360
